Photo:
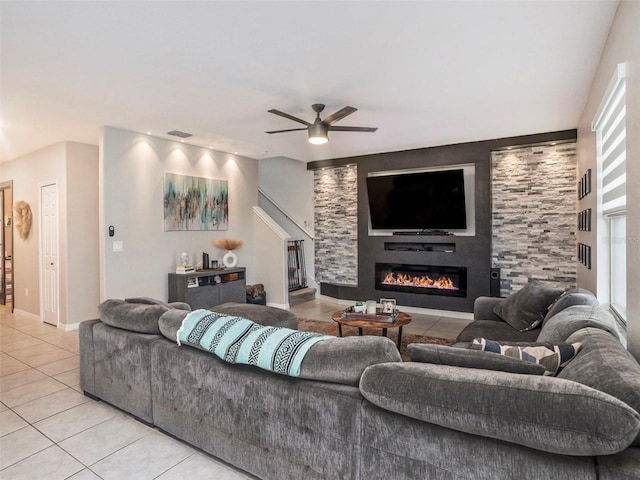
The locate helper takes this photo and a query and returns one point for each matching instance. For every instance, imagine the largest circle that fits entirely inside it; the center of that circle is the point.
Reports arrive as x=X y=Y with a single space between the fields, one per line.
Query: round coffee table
x=401 y=320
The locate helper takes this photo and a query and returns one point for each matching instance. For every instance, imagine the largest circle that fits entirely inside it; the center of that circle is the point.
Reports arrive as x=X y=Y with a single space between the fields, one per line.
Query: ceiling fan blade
x=353 y=129
x=290 y=117
x=339 y=115
x=288 y=130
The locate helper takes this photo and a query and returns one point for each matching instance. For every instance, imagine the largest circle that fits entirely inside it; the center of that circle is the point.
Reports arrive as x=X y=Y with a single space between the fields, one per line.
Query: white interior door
x=49 y=242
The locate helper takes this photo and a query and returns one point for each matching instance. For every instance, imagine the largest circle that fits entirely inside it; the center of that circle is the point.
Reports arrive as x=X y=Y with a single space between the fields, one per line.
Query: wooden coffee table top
x=401 y=319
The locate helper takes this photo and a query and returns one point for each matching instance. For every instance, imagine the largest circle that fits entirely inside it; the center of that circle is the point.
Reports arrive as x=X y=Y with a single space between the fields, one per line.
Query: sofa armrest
x=483 y=308
x=545 y=413
x=87 y=356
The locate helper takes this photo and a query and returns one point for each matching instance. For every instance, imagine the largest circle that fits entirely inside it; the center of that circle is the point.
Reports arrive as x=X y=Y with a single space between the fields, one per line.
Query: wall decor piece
x=584 y=220
x=24 y=217
x=195 y=203
x=584 y=185
x=584 y=255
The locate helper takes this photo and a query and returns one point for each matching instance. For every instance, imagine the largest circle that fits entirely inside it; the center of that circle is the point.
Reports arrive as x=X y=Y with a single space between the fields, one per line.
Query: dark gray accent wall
x=473 y=252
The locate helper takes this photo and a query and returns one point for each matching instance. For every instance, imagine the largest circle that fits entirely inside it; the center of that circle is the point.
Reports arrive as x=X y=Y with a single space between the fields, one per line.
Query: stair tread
x=302 y=291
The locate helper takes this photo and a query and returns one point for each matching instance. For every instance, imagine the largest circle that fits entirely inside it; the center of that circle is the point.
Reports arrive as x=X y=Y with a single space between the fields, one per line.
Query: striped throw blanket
x=238 y=340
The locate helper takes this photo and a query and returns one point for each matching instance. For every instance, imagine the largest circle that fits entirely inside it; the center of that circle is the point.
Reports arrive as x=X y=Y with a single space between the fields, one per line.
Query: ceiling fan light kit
x=319 y=129
x=318 y=134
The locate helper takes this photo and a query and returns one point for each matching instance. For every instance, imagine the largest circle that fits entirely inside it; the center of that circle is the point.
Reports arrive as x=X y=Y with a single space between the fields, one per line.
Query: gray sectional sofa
x=358 y=412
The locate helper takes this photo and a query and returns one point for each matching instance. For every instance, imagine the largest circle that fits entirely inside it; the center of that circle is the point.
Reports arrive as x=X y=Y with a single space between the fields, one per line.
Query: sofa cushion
x=337 y=360
x=136 y=317
x=262 y=314
x=495 y=331
x=459 y=357
x=545 y=413
x=559 y=327
x=344 y=359
x=551 y=357
x=155 y=301
x=604 y=364
x=525 y=309
x=575 y=296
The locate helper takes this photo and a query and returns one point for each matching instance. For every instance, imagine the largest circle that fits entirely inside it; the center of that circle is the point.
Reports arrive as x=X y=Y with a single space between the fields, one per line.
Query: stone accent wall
x=336 y=224
x=534 y=216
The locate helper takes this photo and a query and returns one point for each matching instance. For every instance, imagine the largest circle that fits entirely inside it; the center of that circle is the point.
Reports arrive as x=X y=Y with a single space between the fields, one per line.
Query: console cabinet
x=208 y=288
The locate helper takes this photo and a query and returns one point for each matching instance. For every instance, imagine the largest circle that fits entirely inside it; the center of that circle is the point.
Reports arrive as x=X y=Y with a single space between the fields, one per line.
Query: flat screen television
x=418 y=201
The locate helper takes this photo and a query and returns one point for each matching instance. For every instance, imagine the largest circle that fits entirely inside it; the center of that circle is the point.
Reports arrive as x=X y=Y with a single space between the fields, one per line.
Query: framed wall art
x=195 y=203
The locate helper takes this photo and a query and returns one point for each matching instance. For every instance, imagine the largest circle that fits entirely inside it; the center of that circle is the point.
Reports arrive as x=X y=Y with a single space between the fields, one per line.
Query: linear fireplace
x=422 y=279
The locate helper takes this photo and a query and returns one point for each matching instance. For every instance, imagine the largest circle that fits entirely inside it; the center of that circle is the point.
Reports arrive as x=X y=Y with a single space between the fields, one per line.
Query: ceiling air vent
x=178 y=133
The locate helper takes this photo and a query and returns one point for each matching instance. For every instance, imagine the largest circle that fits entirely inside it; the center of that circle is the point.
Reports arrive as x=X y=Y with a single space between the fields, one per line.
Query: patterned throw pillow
x=551 y=357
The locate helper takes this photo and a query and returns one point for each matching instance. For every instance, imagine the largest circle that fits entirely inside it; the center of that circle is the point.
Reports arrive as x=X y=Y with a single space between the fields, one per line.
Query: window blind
x=610 y=128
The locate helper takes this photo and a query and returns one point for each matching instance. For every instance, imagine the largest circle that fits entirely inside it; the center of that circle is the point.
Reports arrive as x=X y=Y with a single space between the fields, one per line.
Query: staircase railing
x=286 y=214
x=297 y=270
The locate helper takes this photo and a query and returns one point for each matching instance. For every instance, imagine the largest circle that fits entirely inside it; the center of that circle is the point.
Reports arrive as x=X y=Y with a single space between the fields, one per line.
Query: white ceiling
x=424 y=72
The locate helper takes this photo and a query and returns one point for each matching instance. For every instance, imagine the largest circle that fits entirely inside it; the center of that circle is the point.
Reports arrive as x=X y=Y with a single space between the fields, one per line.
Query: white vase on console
x=230 y=259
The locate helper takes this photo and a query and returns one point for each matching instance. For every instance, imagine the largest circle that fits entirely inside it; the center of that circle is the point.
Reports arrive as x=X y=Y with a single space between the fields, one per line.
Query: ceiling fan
x=319 y=129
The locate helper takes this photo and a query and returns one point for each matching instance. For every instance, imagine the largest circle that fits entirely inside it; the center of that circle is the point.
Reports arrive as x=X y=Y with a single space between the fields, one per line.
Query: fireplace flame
x=424 y=281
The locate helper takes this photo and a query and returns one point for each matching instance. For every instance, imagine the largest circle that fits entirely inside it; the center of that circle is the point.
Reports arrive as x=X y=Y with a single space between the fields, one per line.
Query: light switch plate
x=118 y=246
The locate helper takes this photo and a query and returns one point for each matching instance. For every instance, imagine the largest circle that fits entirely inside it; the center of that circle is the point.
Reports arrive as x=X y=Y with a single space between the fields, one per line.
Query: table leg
x=384 y=332
x=360 y=331
x=340 y=329
x=399 y=337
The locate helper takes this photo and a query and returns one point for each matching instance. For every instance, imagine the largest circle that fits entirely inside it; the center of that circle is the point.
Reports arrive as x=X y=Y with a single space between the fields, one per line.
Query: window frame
x=614 y=100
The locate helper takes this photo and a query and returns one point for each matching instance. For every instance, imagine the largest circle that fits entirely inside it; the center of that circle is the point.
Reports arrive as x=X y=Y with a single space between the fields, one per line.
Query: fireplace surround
x=448 y=281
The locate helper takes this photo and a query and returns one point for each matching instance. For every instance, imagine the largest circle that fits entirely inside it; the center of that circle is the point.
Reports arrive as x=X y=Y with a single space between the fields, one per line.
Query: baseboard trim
x=67 y=327
x=283 y=306
x=29 y=315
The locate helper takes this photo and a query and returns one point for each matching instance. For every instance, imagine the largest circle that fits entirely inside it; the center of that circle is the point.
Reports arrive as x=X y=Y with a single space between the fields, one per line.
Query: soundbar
x=423 y=232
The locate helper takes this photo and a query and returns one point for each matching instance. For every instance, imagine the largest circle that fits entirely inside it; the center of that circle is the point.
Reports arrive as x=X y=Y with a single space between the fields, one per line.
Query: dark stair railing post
x=297 y=270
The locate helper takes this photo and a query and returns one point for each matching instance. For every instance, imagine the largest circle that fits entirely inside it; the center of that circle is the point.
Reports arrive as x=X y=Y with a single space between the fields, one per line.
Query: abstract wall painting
x=195 y=203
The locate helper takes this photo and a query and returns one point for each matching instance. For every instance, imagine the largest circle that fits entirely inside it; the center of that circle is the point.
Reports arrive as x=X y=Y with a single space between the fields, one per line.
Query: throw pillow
x=461 y=357
x=551 y=357
x=526 y=309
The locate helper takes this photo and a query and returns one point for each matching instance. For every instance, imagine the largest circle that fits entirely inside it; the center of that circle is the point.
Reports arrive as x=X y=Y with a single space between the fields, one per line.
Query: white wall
x=271 y=258
x=74 y=168
x=82 y=263
x=290 y=185
x=623 y=45
x=132 y=168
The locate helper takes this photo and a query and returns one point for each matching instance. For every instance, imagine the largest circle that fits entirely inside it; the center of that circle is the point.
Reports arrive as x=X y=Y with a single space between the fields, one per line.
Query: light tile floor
x=50 y=430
